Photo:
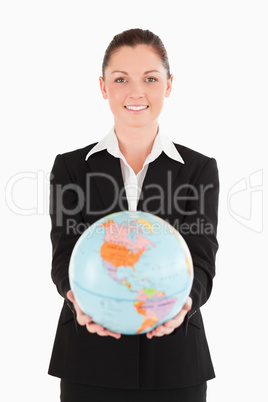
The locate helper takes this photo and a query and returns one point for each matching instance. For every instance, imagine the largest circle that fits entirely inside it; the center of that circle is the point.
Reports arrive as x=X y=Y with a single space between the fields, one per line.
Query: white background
x=51 y=54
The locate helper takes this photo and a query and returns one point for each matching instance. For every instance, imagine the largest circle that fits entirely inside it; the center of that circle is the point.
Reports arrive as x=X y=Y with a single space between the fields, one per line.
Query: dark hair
x=134 y=37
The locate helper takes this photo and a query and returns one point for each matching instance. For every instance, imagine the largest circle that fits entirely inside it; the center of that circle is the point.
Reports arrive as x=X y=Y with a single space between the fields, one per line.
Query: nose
x=136 y=91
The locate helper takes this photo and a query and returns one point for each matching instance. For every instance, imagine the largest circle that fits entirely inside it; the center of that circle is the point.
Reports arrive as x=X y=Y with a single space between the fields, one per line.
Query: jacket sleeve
x=199 y=229
x=65 y=214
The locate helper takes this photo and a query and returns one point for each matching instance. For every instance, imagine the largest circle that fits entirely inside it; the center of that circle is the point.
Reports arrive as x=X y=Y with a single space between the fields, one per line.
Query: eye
x=119 y=80
x=151 y=79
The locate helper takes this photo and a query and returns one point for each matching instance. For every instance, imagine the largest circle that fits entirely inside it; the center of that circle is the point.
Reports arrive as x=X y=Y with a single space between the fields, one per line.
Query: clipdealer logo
x=36 y=186
x=245 y=201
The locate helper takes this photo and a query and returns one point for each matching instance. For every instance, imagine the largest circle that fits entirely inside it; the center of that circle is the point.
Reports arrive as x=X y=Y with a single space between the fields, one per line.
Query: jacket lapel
x=109 y=181
x=157 y=186
x=156 y=190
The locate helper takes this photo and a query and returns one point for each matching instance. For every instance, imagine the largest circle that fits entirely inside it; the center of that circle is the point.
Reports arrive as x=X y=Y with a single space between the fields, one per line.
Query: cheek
x=116 y=99
x=116 y=93
x=157 y=97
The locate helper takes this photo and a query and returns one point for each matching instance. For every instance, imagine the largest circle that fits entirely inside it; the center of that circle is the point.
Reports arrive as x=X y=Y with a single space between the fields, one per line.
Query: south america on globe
x=130 y=272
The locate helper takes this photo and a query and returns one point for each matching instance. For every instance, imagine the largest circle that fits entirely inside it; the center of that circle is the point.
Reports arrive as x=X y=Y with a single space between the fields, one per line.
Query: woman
x=134 y=167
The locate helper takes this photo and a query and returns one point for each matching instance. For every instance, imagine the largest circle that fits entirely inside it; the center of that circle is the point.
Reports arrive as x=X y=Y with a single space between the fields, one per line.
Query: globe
x=130 y=272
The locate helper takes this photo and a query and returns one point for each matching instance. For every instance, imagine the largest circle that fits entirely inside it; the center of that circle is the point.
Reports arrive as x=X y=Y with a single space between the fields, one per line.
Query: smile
x=142 y=107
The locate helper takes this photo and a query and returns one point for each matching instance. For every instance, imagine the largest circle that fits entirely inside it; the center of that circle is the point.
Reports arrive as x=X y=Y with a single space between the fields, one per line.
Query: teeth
x=136 y=107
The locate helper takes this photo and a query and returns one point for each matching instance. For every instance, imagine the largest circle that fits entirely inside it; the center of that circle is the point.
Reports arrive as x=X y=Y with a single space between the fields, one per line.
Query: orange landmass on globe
x=118 y=255
x=107 y=223
x=148 y=322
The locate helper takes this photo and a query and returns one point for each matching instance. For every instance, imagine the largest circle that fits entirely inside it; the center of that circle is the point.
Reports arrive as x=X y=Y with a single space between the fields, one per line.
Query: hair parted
x=132 y=38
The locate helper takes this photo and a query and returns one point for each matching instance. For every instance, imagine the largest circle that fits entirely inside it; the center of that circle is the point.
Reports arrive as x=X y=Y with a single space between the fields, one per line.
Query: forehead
x=138 y=58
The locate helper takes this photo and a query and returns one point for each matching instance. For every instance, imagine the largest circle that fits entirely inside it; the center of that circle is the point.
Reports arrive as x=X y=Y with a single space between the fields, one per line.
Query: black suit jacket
x=186 y=195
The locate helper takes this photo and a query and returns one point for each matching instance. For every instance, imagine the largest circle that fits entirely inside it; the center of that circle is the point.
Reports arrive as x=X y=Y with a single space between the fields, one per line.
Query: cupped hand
x=170 y=325
x=87 y=321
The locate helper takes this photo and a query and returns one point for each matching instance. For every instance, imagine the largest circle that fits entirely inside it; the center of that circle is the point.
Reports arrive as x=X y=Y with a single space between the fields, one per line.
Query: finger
x=83 y=319
x=102 y=333
x=175 y=323
x=93 y=327
x=116 y=335
x=70 y=296
x=78 y=309
x=159 y=331
x=172 y=323
x=100 y=330
x=188 y=305
x=177 y=320
x=157 y=334
x=169 y=331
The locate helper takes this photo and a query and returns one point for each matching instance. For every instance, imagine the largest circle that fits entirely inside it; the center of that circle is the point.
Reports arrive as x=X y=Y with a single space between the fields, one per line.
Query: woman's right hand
x=84 y=319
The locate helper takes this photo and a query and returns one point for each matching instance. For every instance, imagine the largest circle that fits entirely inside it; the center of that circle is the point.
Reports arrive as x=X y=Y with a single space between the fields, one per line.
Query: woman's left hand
x=170 y=325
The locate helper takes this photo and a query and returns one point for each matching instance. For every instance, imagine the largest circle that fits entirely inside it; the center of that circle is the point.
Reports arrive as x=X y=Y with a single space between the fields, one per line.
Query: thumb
x=70 y=295
x=188 y=305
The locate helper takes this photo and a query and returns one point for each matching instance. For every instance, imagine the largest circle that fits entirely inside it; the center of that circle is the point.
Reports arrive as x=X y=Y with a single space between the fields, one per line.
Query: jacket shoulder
x=78 y=154
x=74 y=162
x=197 y=166
x=191 y=155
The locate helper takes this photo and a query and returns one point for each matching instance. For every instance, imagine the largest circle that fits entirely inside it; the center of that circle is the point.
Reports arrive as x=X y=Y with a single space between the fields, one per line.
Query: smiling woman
x=135 y=85
x=135 y=167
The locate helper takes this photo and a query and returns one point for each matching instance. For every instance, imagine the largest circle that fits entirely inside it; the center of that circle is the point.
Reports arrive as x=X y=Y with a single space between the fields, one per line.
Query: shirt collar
x=161 y=143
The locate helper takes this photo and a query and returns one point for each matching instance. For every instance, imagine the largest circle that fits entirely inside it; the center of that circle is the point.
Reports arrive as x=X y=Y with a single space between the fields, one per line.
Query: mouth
x=136 y=108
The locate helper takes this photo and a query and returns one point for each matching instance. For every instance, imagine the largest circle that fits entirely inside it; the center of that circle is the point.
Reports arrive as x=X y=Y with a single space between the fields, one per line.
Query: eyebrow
x=146 y=72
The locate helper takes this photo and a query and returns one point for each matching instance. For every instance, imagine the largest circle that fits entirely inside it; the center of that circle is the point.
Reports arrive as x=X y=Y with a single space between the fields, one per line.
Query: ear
x=169 y=86
x=103 y=88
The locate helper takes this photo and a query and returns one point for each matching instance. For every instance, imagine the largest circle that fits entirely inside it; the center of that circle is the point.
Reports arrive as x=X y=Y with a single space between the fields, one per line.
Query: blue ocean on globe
x=130 y=272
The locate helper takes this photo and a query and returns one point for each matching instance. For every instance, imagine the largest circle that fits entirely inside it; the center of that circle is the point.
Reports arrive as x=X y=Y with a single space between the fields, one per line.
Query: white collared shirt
x=133 y=182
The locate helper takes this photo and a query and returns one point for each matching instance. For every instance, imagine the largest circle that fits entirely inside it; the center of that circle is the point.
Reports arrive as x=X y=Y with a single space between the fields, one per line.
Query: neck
x=136 y=143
